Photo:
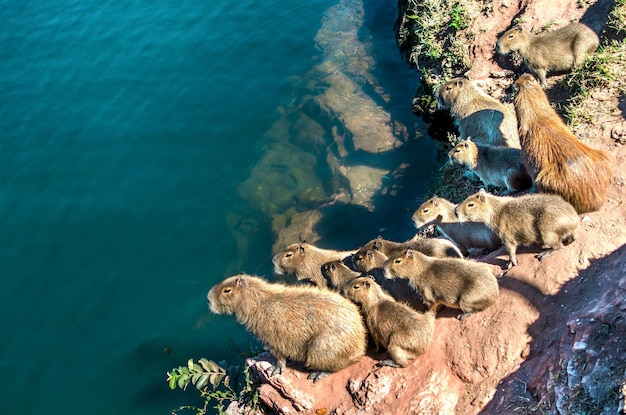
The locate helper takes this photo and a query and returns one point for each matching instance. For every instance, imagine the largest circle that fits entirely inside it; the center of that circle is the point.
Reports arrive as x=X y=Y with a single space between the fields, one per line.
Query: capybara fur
x=495 y=166
x=402 y=331
x=554 y=157
x=543 y=219
x=471 y=237
x=454 y=282
x=317 y=327
x=338 y=274
x=556 y=50
x=304 y=261
x=437 y=247
x=477 y=114
x=366 y=260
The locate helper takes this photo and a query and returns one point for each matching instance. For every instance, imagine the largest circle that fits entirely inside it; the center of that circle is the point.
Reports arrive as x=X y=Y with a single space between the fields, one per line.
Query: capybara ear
x=468 y=139
x=481 y=195
x=240 y=281
x=459 y=82
x=301 y=247
x=409 y=253
x=369 y=254
x=465 y=144
x=366 y=284
x=379 y=243
x=517 y=28
x=435 y=200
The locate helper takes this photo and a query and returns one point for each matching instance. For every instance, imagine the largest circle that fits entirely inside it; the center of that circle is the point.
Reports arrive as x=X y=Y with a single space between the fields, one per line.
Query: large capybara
x=495 y=166
x=437 y=247
x=543 y=219
x=305 y=261
x=317 y=327
x=454 y=282
x=472 y=238
x=557 y=161
x=478 y=115
x=557 y=50
x=404 y=332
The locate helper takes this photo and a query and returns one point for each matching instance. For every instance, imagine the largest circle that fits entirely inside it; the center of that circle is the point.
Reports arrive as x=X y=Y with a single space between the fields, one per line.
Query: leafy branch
x=214 y=384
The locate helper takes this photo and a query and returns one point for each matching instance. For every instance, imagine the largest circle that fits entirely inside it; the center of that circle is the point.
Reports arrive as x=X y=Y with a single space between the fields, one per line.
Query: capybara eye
x=426 y=210
x=511 y=36
x=227 y=290
x=449 y=87
x=471 y=204
x=398 y=261
x=355 y=287
x=288 y=254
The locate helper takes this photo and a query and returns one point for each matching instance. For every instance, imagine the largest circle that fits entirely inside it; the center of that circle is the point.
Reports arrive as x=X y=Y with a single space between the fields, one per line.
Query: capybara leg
x=277 y=369
x=463 y=316
x=543 y=255
x=511 y=248
x=399 y=357
x=541 y=75
x=316 y=376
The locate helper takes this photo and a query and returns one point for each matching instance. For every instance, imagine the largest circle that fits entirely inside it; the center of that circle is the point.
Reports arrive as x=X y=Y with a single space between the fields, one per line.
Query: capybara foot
x=543 y=255
x=463 y=316
x=316 y=376
x=388 y=362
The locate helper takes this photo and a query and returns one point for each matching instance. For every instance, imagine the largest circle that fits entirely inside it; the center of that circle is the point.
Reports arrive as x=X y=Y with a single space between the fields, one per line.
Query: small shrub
x=216 y=385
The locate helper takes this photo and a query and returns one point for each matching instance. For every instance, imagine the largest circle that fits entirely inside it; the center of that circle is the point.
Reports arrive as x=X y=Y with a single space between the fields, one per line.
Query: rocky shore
x=556 y=340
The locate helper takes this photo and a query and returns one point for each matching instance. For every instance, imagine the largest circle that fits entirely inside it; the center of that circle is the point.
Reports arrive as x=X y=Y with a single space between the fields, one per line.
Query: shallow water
x=128 y=129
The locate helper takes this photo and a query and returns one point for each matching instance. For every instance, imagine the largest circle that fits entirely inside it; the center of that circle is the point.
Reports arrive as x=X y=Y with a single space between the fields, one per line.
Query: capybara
x=472 y=238
x=404 y=332
x=305 y=261
x=454 y=282
x=495 y=166
x=557 y=50
x=317 y=327
x=543 y=219
x=557 y=161
x=477 y=114
x=437 y=247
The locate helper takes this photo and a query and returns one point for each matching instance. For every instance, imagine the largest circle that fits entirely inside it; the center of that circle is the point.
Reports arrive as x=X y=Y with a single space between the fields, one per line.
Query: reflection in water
x=336 y=148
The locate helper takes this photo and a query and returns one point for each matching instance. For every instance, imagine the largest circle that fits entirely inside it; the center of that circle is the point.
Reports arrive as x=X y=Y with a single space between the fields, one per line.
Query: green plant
x=459 y=18
x=617 y=17
x=215 y=384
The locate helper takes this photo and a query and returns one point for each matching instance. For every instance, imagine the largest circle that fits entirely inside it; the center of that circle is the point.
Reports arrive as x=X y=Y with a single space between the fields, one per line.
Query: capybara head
x=361 y=290
x=366 y=260
x=401 y=265
x=511 y=40
x=290 y=259
x=447 y=93
x=464 y=153
x=227 y=296
x=476 y=208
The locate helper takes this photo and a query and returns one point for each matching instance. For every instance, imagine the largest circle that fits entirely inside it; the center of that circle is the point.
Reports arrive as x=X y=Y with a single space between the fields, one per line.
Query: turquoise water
x=127 y=129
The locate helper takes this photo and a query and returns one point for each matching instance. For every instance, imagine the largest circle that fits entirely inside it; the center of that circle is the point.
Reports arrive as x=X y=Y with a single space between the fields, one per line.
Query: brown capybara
x=543 y=219
x=437 y=247
x=454 y=282
x=557 y=161
x=477 y=114
x=404 y=332
x=305 y=261
x=557 y=50
x=317 y=327
x=472 y=238
x=366 y=260
x=337 y=274
x=495 y=166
